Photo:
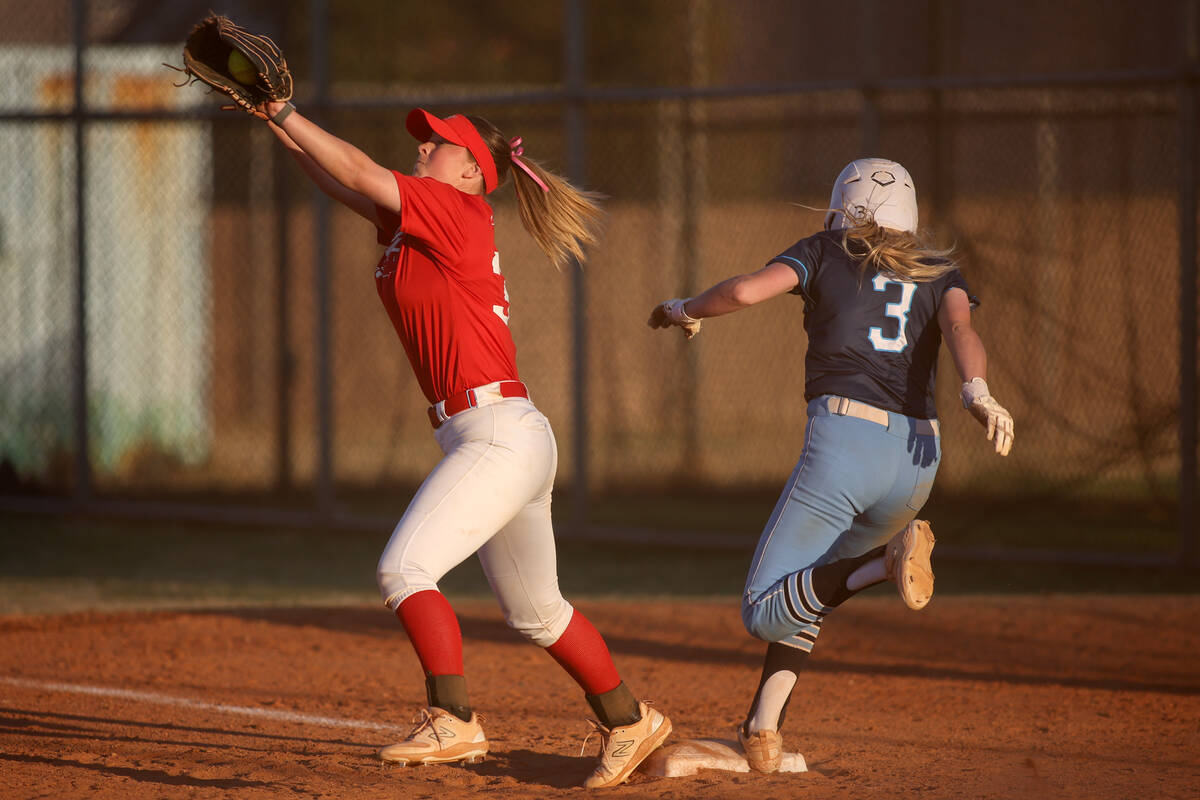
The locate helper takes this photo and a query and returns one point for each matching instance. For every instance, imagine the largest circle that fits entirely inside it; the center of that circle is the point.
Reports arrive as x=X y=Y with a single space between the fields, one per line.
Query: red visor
x=456 y=130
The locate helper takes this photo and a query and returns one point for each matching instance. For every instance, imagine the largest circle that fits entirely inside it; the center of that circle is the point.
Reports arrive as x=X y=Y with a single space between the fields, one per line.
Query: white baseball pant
x=489 y=495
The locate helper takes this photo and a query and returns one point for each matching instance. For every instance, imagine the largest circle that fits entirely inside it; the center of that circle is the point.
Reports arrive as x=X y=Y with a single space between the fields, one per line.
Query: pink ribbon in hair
x=517 y=152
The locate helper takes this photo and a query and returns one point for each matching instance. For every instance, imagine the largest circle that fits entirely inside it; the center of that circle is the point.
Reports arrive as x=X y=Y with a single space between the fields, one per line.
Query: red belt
x=473 y=398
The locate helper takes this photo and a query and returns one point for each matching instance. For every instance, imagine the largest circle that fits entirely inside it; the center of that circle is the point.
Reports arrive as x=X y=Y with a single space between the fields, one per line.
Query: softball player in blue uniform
x=878 y=300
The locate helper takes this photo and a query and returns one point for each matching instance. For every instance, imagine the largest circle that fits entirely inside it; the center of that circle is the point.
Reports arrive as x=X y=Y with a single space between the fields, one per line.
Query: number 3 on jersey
x=899 y=311
x=501 y=311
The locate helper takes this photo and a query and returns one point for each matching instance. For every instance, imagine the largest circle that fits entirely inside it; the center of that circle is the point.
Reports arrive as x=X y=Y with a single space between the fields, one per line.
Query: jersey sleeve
x=955 y=280
x=804 y=259
x=431 y=212
x=389 y=221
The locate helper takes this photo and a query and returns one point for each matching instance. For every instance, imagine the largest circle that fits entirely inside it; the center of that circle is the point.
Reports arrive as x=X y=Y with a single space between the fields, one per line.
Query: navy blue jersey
x=871 y=337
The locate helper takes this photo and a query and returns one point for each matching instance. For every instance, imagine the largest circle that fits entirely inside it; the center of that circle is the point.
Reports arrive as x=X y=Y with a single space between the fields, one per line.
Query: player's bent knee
x=760 y=625
x=768 y=633
x=542 y=626
x=396 y=587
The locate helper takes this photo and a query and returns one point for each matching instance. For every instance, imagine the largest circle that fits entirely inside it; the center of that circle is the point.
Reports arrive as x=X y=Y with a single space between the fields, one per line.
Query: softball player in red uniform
x=440 y=281
x=877 y=302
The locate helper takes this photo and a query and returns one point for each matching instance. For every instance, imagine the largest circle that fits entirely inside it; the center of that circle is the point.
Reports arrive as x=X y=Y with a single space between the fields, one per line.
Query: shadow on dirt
x=153 y=776
x=36 y=722
x=531 y=768
x=490 y=628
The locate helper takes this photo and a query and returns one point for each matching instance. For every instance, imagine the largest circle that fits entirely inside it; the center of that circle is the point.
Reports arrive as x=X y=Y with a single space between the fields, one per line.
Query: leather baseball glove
x=216 y=49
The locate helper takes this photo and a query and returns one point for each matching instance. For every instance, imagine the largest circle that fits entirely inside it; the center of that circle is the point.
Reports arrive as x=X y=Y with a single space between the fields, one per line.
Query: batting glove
x=671 y=313
x=991 y=415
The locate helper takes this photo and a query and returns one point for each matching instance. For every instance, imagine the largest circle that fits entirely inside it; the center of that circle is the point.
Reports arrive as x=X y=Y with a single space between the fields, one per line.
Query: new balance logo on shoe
x=621 y=749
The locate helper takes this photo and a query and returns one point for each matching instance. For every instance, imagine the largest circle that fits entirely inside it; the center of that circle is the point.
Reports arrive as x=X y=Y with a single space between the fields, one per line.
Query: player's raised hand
x=670 y=313
x=999 y=423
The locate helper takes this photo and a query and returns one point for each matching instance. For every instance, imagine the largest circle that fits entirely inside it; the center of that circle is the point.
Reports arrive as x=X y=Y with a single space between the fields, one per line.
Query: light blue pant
x=857 y=483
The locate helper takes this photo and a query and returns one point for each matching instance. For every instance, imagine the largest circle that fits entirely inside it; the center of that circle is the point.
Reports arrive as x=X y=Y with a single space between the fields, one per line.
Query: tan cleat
x=764 y=749
x=907 y=563
x=439 y=738
x=624 y=747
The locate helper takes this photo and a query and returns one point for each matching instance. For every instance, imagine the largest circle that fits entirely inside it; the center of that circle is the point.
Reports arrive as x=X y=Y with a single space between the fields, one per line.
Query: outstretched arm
x=970 y=359
x=340 y=160
x=731 y=294
x=966 y=348
x=358 y=203
x=742 y=291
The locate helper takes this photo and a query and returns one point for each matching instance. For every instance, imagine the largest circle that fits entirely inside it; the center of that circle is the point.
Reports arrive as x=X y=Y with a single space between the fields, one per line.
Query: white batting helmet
x=877 y=186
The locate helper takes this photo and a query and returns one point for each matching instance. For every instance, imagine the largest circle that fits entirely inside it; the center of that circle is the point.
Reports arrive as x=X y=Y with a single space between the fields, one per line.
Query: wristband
x=972 y=390
x=283 y=114
x=678 y=315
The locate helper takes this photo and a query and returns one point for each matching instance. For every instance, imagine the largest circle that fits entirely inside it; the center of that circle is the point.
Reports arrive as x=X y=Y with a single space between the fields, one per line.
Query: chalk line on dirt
x=186 y=702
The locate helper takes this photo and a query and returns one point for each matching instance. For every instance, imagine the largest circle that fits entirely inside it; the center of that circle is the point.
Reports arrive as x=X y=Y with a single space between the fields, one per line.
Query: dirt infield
x=1030 y=697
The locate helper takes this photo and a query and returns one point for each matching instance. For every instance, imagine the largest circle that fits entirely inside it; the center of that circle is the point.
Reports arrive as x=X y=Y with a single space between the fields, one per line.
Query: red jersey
x=440 y=281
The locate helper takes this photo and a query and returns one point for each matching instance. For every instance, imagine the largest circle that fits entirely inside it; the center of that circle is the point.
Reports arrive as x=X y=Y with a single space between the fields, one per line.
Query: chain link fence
x=186 y=326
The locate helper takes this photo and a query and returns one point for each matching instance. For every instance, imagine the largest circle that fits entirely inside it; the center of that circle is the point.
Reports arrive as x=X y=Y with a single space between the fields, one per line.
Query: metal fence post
x=938 y=193
x=283 y=351
x=83 y=462
x=1187 y=289
x=869 y=73
x=323 y=484
x=284 y=363
x=695 y=189
x=574 y=78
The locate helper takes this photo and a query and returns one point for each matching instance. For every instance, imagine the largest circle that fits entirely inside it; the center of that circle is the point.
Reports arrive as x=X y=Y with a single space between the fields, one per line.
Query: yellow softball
x=241 y=69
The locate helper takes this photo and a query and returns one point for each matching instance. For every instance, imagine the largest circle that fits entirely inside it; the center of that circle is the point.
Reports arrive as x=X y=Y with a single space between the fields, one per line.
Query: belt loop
x=842 y=406
x=472 y=398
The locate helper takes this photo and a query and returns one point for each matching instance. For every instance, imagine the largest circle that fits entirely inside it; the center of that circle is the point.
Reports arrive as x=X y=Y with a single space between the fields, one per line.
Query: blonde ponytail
x=561 y=218
x=903 y=254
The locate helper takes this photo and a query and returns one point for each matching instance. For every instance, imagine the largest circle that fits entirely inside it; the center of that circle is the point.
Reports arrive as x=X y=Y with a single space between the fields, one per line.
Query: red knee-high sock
x=583 y=654
x=434 y=632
